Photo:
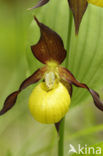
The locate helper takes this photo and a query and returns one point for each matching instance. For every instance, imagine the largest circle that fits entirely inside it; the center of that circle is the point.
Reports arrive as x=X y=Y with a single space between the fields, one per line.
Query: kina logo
x=84 y=150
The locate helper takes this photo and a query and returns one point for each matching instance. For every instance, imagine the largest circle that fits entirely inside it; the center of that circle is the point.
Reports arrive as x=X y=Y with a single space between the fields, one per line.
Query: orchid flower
x=78 y=8
x=51 y=98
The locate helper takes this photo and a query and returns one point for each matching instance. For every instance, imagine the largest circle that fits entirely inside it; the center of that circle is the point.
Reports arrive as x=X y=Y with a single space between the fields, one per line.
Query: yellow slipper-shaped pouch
x=49 y=106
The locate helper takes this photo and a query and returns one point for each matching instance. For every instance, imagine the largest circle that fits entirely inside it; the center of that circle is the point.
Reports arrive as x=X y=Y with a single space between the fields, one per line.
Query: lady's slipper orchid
x=50 y=100
x=78 y=8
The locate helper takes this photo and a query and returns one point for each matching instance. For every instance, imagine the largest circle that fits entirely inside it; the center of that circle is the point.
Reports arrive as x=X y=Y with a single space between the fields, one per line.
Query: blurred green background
x=20 y=134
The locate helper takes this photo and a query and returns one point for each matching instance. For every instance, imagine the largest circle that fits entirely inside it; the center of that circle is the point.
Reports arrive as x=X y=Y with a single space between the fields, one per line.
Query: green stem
x=69 y=37
x=61 y=138
x=62 y=123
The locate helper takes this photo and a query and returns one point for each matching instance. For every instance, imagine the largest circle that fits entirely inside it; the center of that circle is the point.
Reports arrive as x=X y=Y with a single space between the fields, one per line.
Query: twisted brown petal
x=39 y=4
x=68 y=76
x=78 y=8
x=11 y=99
x=50 y=46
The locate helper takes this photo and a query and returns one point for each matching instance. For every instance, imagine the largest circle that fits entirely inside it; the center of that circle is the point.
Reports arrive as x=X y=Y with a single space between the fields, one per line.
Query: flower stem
x=61 y=138
x=62 y=123
x=69 y=37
